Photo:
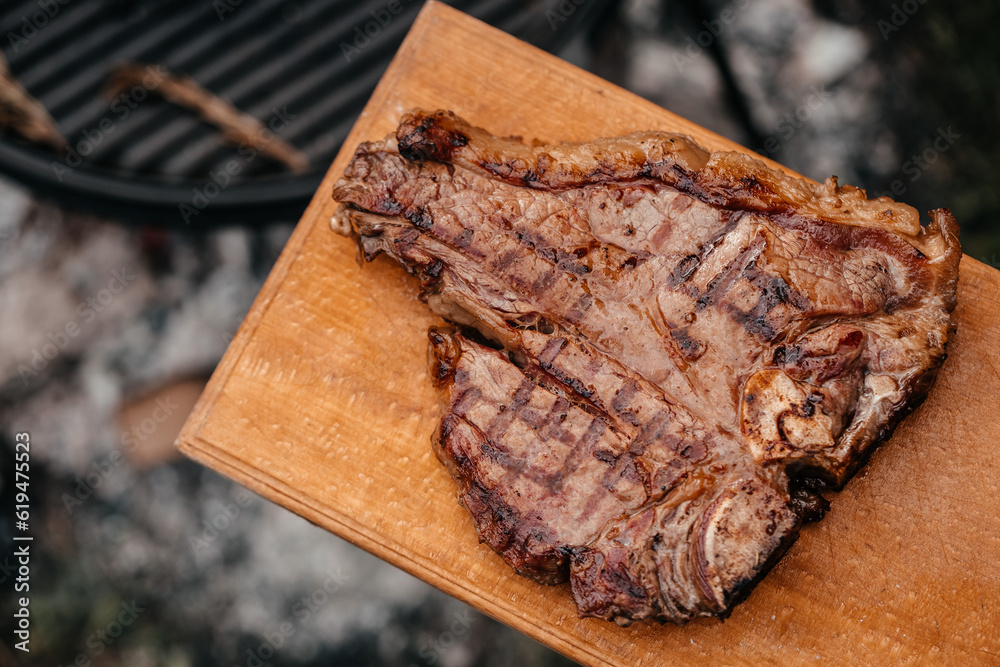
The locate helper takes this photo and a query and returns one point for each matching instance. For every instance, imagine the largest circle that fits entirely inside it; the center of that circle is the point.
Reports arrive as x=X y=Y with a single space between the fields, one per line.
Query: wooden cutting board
x=323 y=404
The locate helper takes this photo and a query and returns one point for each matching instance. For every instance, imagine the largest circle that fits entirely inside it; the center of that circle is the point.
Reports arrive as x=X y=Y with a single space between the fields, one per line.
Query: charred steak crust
x=660 y=355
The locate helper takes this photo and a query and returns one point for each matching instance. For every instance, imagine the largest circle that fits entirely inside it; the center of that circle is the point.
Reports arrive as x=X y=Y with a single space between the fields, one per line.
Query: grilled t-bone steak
x=656 y=350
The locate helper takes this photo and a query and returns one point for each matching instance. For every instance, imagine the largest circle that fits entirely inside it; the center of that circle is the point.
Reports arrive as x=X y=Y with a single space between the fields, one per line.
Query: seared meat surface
x=656 y=351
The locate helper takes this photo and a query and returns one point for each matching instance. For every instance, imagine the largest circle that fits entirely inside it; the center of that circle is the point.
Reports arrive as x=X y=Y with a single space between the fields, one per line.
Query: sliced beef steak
x=656 y=351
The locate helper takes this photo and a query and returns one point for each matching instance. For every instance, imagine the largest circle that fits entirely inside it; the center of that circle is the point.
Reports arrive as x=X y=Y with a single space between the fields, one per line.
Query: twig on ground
x=25 y=115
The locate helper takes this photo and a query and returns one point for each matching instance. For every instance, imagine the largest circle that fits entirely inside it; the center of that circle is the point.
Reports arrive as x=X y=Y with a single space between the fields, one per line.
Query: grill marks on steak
x=680 y=331
x=576 y=476
x=523 y=456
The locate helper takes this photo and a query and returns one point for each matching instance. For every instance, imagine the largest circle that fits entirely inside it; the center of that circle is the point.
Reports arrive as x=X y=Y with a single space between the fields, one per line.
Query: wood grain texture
x=323 y=404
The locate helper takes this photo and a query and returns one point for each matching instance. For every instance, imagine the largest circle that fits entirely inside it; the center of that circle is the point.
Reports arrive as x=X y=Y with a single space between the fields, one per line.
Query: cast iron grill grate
x=140 y=159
